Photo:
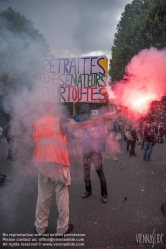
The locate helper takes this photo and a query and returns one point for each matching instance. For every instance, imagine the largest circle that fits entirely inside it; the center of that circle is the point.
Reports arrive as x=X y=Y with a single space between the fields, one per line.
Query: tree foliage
x=142 y=25
x=21 y=52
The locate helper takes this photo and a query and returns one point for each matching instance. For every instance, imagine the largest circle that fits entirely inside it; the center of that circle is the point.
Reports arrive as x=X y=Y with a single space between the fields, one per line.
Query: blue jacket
x=94 y=138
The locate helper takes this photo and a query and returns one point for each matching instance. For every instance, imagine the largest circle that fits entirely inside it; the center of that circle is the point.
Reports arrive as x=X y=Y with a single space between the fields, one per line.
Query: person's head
x=149 y=123
x=130 y=126
x=94 y=114
x=48 y=108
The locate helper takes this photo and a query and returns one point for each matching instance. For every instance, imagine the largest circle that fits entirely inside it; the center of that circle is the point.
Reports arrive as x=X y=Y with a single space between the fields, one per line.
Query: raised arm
x=85 y=124
x=74 y=108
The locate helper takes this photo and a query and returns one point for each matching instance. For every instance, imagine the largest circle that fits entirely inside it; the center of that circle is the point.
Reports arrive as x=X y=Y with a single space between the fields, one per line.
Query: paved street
x=116 y=224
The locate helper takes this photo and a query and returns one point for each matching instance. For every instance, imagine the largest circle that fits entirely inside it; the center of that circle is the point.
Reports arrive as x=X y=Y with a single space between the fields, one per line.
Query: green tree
x=21 y=52
x=142 y=25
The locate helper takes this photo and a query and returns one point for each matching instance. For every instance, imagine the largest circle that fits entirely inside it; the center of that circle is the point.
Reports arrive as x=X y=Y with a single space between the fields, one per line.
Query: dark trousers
x=11 y=145
x=128 y=145
x=161 y=138
x=142 y=146
x=132 y=144
x=148 y=147
x=96 y=159
x=132 y=151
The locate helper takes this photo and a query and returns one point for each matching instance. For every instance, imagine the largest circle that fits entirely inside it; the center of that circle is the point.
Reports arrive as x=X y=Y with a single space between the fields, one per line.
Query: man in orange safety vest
x=52 y=160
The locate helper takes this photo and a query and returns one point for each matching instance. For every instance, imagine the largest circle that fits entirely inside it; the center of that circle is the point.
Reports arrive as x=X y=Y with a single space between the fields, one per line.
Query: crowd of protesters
x=95 y=135
x=145 y=133
x=8 y=133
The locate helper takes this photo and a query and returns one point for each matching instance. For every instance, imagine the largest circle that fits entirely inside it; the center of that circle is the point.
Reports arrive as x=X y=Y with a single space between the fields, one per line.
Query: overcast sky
x=73 y=27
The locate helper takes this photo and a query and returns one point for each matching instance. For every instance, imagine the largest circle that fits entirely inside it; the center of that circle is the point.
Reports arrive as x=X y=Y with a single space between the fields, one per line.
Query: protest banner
x=70 y=79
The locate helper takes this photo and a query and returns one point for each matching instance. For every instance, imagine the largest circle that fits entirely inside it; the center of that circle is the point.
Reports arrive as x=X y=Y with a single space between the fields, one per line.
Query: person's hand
x=77 y=101
x=106 y=98
x=74 y=103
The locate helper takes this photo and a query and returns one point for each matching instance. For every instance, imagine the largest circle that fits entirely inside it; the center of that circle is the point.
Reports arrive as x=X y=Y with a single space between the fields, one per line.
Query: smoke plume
x=145 y=81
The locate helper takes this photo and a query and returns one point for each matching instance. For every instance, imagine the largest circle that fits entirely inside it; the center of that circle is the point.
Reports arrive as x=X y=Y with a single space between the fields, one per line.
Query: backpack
x=149 y=132
x=128 y=135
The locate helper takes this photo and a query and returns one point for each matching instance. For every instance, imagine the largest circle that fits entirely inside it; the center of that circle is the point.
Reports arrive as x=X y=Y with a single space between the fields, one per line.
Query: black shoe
x=8 y=157
x=86 y=194
x=11 y=159
x=104 y=199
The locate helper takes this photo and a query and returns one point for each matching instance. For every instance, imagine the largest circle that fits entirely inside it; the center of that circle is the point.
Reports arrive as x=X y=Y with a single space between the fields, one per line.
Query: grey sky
x=73 y=27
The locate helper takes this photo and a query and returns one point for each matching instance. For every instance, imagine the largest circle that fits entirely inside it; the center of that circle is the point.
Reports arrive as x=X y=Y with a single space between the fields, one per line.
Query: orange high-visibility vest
x=50 y=144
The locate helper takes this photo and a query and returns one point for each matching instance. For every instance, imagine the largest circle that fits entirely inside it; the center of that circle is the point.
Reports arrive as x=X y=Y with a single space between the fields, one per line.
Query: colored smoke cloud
x=145 y=81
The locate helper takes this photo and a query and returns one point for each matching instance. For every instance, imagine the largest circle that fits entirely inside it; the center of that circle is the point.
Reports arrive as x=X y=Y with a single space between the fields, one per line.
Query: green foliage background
x=142 y=25
x=21 y=52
